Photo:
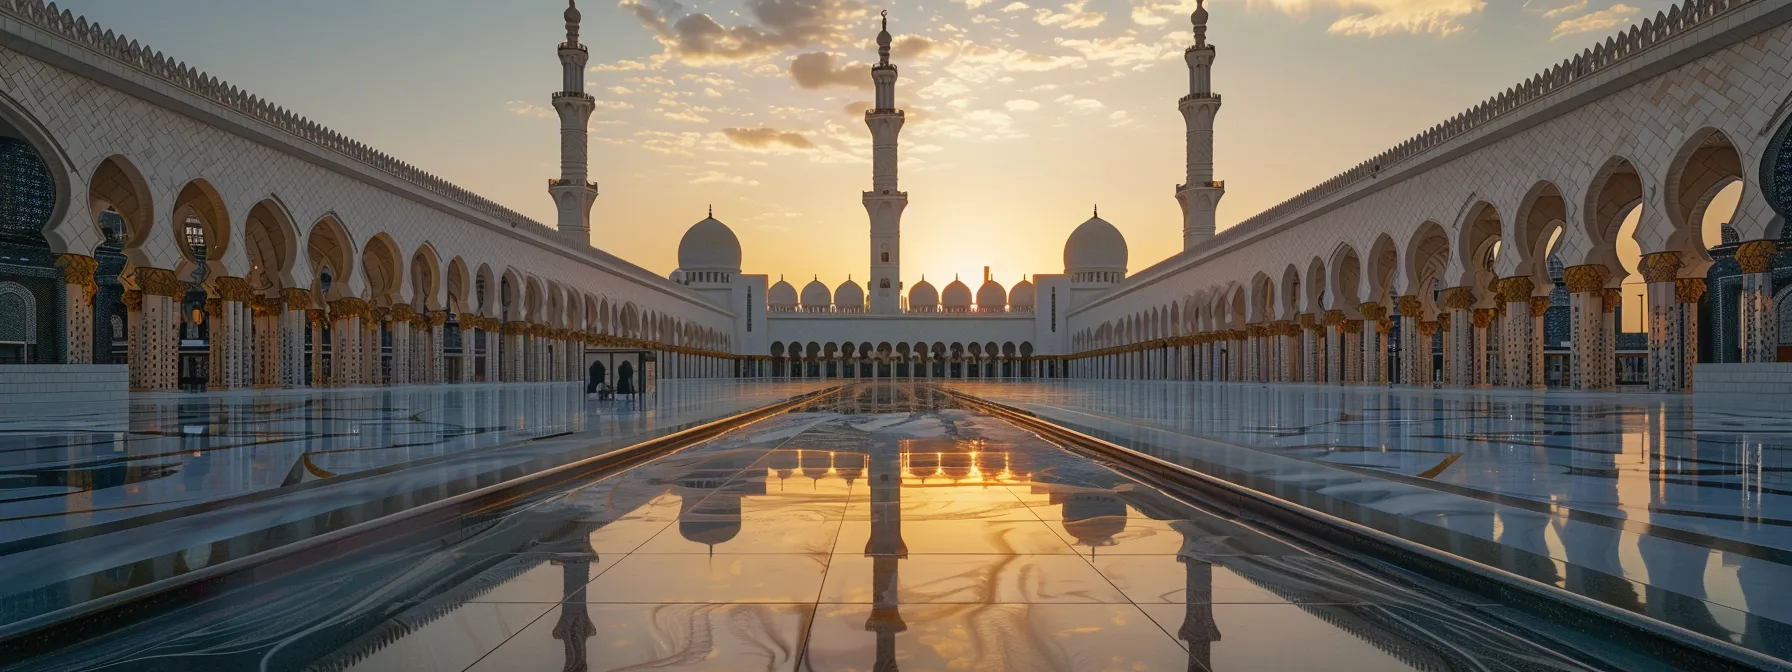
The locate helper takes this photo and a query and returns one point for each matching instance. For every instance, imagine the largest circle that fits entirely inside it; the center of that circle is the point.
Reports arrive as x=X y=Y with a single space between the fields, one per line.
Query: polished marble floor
x=117 y=488
x=886 y=530
x=1675 y=506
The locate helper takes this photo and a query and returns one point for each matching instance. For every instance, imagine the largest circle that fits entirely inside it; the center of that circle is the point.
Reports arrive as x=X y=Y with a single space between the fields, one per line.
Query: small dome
x=781 y=295
x=957 y=297
x=991 y=297
x=923 y=296
x=849 y=296
x=1095 y=246
x=572 y=11
x=1199 y=17
x=816 y=296
x=709 y=245
x=1022 y=295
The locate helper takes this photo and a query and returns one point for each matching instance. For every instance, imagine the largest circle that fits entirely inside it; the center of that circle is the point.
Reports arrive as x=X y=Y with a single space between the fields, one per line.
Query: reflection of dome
x=708 y=532
x=956 y=298
x=957 y=466
x=849 y=296
x=1094 y=518
x=781 y=295
x=815 y=463
x=923 y=297
x=850 y=466
x=1095 y=246
x=709 y=245
x=991 y=298
x=816 y=296
x=1021 y=296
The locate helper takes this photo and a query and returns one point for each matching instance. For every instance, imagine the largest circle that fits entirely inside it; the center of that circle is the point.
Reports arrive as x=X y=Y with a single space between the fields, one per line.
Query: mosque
x=884 y=329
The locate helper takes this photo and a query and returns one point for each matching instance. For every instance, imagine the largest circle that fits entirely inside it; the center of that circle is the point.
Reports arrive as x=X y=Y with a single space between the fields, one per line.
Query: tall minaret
x=1200 y=195
x=573 y=195
x=884 y=202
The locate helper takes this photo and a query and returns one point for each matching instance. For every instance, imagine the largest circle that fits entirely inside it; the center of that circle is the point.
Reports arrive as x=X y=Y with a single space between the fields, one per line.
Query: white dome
x=1095 y=246
x=709 y=245
x=816 y=295
x=923 y=296
x=849 y=296
x=957 y=296
x=1022 y=294
x=781 y=295
x=991 y=298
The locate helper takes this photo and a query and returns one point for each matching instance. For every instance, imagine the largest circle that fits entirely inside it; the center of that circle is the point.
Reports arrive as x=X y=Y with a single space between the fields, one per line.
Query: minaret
x=573 y=195
x=1200 y=195
x=884 y=203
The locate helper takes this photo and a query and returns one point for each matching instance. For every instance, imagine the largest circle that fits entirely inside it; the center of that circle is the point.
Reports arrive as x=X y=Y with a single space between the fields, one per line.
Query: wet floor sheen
x=883 y=531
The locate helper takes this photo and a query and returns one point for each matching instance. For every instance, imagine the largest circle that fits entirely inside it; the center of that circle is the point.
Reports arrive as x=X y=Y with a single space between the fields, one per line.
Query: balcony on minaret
x=576 y=95
x=1203 y=97
x=570 y=183
x=1212 y=184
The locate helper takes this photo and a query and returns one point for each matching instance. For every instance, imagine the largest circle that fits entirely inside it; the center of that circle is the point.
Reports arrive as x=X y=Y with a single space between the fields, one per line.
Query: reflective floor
x=1674 y=506
x=884 y=531
x=100 y=498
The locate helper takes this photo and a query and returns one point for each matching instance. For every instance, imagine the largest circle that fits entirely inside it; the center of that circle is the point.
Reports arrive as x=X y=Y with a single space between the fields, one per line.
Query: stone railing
x=1594 y=60
x=152 y=63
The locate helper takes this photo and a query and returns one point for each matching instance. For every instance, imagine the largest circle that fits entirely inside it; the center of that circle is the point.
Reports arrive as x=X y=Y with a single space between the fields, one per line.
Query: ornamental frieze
x=159 y=282
x=1689 y=290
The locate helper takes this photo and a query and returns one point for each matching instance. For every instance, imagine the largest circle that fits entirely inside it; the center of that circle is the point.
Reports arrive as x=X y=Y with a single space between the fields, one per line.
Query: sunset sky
x=1023 y=114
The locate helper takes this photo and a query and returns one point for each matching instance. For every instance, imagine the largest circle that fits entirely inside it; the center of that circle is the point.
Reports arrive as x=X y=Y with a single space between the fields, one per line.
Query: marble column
x=348 y=350
x=1760 y=326
x=1459 y=351
x=1310 y=345
x=79 y=287
x=1482 y=321
x=155 y=357
x=1591 y=359
x=232 y=341
x=265 y=316
x=1424 y=353
x=316 y=320
x=1522 y=340
x=1375 y=342
x=1350 y=350
x=1411 y=315
x=292 y=305
x=1335 y=347
x=1670 y=368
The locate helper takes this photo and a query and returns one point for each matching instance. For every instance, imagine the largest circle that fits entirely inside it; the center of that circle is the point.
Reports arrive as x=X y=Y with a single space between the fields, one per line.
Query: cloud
x=1123 y=51
x=1604 y=19
x=1375 y=18
x=619 y=66
x=979 y=125
x=613 y=105
x=767 y=138
x=1073 y=16
x=817 y=70
x=1021 y=105
x=913 y=48
x=1555 y=8
x=719 y=177
x=1071 y=102
x=523 y=109
x=621 y=90
x=773 y=26
x=1015 y=7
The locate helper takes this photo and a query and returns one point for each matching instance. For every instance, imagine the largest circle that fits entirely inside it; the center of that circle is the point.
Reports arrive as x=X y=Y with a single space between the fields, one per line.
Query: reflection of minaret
x=1093 y=517
x=884 y=203
x=573 y=195
x=1198 y=627
x=885 y=548
x=1200 y=194
x=575 y=626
